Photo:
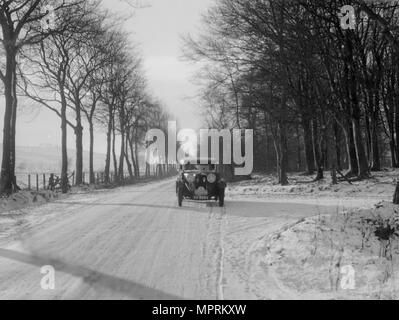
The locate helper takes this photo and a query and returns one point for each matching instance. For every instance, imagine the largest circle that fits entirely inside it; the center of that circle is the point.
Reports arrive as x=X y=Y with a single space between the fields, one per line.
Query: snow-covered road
x=135 y=243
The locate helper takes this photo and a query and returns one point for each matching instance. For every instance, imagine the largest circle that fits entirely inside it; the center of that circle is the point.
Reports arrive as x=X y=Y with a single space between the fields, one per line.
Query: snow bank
x=314 y=258
x=381 y=187
x=25 y=199
x=14 y=211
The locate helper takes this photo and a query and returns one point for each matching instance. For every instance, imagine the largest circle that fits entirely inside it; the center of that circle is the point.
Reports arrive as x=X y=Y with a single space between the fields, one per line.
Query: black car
x=200 y=182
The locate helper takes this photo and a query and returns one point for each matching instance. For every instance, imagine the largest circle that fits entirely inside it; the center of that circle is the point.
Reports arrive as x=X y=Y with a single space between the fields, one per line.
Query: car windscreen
x=191 y=167
x=194 y=167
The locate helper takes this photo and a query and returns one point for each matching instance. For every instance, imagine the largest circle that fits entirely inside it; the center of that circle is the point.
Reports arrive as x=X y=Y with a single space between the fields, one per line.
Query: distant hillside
x=48 y=159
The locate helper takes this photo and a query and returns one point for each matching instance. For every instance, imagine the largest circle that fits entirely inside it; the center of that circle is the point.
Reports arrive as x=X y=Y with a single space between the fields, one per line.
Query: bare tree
x=23 y=24
x=47 y=80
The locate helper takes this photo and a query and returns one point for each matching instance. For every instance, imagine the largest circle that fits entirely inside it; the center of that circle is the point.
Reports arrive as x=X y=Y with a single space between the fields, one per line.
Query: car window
x=189 y=167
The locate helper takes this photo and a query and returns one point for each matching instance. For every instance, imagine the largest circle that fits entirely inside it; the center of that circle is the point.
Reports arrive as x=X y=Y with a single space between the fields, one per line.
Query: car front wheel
x=180 y=196
x=221 y=198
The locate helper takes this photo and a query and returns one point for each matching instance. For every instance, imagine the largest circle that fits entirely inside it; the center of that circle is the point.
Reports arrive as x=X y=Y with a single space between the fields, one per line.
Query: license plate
x=201 y=198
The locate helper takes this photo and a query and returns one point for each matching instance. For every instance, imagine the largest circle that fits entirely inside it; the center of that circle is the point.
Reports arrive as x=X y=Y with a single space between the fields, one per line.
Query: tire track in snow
x=221 y=254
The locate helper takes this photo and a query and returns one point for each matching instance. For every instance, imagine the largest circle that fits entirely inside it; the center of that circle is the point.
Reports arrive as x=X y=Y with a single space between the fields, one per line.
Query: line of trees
x=70 y=57
x=319 y=97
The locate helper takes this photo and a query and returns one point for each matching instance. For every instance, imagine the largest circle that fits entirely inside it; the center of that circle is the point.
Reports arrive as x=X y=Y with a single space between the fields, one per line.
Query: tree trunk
x=79 y=155
x=299 y=149
x=395 y=147
x=318 y=152
x=267 y=143
x=331 y=151
x=361 y=155
x=394 y=154
x=7 y=177
x=309 y=151
x=284 y=155
x=363 y=168
x=122 y=158
x=114 y=151
x=14 y=131
x=64 y=144
x=337 y=140
x=376 y=162
x=91 y=160
x=351 y=151
x=369 y=147
x=277 y=149
x=137 y=156
x=128 y=163
x=396 y=195
x=132 y=156
x=109 y=138
x=123 y=148
x=79 y=144
x=147 y=170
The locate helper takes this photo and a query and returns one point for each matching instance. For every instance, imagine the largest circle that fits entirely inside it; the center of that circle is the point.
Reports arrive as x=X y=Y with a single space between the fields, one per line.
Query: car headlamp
x=211 y=178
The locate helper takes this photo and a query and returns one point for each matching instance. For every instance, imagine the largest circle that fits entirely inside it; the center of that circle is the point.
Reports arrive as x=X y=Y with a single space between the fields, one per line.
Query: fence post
x=37 y=182
x=29 y=182
x=44 y=181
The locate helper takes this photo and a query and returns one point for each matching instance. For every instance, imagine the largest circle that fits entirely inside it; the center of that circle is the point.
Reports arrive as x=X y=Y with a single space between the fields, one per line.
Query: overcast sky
x=157 y=30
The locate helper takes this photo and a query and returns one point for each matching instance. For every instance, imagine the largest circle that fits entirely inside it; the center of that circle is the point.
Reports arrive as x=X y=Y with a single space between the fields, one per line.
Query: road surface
x=135 y=243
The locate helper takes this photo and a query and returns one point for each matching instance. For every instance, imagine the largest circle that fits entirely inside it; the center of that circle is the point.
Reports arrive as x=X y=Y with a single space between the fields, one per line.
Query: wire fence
x=45 y=181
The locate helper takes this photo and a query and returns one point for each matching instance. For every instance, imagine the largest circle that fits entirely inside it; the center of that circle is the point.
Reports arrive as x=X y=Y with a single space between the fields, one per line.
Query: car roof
x=197 y=161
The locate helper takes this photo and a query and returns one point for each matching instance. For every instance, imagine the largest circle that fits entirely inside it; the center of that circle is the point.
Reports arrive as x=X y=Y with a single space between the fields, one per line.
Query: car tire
x=221 y=198
x=180 y=196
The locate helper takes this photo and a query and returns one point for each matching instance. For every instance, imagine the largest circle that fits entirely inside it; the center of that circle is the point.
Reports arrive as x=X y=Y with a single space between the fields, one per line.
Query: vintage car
x=200 y=182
